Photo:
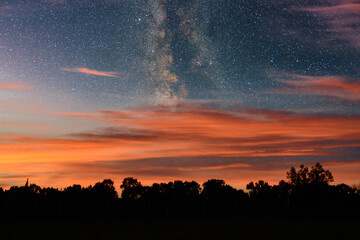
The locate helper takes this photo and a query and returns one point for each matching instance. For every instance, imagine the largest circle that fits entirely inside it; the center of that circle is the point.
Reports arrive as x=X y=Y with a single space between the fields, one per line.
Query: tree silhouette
x=33 y=188
x=132 y=189
x=306 y=193
x=192 y=189
x=217 y=190
x=104 y=189
x=300 y=177
x=50 y=192
x=317 y=175
x=259 y=187
x=74 y=191
x=212 y=189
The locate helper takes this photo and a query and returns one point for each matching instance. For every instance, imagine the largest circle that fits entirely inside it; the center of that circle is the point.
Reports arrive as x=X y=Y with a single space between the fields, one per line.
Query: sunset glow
x=191 y=90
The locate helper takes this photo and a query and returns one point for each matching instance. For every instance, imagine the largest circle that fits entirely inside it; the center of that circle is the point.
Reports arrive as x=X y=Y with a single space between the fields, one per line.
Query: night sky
x=164 y=89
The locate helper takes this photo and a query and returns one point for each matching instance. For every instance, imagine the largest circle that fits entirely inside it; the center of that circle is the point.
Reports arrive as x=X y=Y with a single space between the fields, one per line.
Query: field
x=183 y=229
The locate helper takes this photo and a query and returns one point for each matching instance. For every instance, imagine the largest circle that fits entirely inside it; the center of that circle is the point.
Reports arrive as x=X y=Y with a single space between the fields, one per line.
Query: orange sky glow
x=186 y=142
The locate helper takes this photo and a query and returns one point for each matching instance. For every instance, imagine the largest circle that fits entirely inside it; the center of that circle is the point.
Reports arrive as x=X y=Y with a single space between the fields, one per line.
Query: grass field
x=183 y=229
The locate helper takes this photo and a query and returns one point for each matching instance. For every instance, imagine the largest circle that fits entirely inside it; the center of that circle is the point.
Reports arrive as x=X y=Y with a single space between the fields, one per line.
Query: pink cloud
x=5 y=9
x=93 y=72
x=341 y=19
x=332 y=86
x=15 y=86
x=341 y=9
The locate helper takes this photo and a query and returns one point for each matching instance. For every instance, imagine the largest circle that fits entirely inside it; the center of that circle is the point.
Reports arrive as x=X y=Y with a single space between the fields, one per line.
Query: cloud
x=13 y=176
x=20 y=9
x=93 y=72
x=341 y=18
x=5 y=9
x=186 y=141
x=190 y=130
x=344 y=7
x=15 y=86
x=344 y=88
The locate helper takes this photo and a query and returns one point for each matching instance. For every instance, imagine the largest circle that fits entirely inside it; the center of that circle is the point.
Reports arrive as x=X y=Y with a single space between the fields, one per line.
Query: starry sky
x=167 y=89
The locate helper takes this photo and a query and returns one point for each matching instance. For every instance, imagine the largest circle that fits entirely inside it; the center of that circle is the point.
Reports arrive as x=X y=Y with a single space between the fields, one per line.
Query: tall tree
x=317 y=175
x=105 y=189
x=132 y=188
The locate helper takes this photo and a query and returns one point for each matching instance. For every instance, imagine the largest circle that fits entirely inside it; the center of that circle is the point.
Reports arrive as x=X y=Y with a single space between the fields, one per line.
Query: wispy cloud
x=18 y=9
x=332 y=86
x=15 y=86
x=162 y=142
x=93 y=72
x=5 y=8
x=342 y=19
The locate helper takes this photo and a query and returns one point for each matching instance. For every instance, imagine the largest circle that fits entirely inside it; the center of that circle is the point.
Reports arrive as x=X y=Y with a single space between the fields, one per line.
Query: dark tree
x=74 y=191
x=33 y=188
x=104 y=189
x=132 y=189
x=344 y=189
x=317 y=175
x=25 y=191
x=212 y=189
x=192 y=189
x=297 y=178
x=306 y=193
x=258 y=188
x=50 y=192
x=217 y=190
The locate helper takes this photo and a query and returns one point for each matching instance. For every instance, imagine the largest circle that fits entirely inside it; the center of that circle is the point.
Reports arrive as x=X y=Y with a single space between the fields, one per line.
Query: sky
x=165 y=90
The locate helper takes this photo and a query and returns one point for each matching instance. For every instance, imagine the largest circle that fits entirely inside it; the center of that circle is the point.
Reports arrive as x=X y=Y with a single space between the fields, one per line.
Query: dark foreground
x=184 y=229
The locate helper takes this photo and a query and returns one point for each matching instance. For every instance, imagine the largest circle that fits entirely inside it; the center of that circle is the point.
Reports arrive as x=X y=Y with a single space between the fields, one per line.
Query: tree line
x=306 y=192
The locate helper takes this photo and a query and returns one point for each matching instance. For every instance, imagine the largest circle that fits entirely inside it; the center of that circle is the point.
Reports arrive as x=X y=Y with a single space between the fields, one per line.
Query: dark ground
x=184 y=229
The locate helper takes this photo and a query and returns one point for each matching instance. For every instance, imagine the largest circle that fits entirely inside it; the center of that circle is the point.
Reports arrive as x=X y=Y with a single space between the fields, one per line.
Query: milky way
x=167 y=50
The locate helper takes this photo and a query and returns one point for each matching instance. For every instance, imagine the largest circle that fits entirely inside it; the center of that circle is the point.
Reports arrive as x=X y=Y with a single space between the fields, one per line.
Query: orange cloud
x=93 y=72
x=184 y=142
x=332 y=86
x=15 y=86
